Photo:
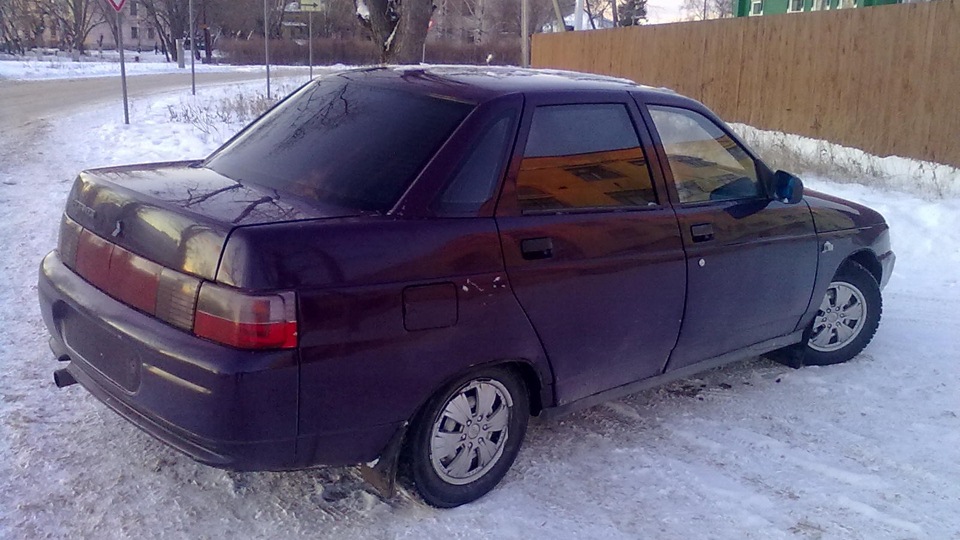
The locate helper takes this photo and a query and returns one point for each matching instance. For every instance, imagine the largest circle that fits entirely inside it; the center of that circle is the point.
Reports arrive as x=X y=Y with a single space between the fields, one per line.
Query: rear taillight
x=221 y=314
x=246 y=321
x=69 y=238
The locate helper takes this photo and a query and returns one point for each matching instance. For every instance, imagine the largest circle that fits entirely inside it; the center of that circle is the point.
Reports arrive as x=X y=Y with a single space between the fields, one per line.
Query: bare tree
x=171 y=19
x=701 y=10
x=22 y=23
x=632 y=12
x=75 y=19
x=507 y=12
x=399 y=29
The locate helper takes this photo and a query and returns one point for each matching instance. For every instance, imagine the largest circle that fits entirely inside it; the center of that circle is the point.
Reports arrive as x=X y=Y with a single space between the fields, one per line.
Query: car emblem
x=118 y=230
x=84 y=209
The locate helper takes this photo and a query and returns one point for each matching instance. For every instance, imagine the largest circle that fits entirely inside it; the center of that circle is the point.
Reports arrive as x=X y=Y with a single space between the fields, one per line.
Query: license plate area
x=107 y=352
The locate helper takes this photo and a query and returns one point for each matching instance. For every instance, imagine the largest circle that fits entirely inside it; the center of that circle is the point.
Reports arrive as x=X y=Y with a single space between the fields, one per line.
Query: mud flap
x=381 y=473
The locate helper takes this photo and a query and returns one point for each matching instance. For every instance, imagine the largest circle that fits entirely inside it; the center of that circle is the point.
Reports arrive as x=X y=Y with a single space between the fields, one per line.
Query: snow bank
x=803 y=155
x=35 y=66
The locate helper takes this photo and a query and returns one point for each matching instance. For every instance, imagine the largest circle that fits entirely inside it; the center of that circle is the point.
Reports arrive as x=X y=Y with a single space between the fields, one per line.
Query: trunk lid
x=177 y=214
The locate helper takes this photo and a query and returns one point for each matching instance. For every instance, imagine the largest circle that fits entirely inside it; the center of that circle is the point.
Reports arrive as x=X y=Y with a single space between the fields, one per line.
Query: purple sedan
x=397 y=267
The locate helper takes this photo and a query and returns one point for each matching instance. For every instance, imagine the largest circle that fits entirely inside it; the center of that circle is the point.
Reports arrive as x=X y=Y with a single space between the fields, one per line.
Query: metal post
x=266 y=44
x=193 y=52
x=310 y=39
x=123 y=69
x=525 y=32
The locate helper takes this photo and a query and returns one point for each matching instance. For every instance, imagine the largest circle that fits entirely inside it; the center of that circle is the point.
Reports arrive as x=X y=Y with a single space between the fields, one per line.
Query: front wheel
x=847 y=319
x=467 y=437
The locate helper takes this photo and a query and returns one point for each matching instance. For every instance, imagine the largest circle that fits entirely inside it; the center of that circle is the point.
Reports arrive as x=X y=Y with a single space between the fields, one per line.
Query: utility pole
x=266 y=43
x=123 y=66
x=525 y=32
x=193 y=52
x=578 y=15
x=310 y=41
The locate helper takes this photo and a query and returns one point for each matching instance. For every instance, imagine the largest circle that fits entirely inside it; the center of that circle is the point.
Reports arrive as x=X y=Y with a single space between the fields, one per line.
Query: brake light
x=246 y=321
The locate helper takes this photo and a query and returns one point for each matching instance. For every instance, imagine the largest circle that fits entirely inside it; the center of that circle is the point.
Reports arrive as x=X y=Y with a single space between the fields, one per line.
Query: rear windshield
x=341 y=142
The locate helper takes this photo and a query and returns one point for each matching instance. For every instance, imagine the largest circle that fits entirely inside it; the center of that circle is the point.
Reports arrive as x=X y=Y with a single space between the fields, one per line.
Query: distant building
x=138 y=31
x=754 y=8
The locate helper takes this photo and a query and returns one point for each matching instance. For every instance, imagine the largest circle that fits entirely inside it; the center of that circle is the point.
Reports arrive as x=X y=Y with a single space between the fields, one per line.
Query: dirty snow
x=865 y=450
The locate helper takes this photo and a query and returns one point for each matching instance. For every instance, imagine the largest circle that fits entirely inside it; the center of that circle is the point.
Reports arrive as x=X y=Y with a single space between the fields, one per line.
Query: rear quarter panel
x=368 y=356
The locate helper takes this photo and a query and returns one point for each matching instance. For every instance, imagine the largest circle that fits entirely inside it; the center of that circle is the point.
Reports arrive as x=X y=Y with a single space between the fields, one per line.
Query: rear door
x=590 y=243
x=751 y=261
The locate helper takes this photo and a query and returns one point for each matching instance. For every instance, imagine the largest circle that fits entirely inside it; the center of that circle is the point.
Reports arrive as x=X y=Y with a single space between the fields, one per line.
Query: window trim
x=645 y=145
x=663 y=160
x=514 y=115
x=790 y=6
x=753 y=4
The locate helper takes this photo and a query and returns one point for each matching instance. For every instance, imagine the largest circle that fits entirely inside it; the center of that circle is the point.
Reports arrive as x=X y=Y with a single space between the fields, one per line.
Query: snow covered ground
x=868 y=450
x=36 y=66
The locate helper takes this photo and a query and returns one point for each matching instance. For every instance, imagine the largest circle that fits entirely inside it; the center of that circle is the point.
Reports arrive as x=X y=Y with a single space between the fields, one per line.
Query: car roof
x=481 y=83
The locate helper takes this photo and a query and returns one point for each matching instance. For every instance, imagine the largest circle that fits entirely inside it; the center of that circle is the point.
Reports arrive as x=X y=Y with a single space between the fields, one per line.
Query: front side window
x=341 y=142
x=707 y=164
x=756 y=7
x=583 y=156
x=795 y=6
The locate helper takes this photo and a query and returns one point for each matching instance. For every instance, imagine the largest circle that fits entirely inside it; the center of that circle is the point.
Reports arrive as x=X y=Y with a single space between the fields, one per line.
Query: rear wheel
x=847 y=319
x=467 y=437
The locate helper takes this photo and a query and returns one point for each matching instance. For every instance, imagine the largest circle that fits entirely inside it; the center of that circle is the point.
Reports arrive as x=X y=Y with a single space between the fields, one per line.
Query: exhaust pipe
x=62 y=378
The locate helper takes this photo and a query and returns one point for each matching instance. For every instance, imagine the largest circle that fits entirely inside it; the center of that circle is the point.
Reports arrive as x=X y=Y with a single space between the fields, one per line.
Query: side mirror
x=788 y=189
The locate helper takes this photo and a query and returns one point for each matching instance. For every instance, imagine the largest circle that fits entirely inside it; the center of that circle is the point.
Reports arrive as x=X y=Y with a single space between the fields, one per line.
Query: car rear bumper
x=224 y=407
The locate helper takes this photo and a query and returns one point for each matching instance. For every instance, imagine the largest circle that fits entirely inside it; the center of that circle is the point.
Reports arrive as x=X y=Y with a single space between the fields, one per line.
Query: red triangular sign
x=117 y=4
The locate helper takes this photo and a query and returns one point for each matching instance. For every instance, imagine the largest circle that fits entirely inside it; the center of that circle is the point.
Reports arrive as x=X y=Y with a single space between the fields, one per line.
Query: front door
x=591 y=246
x=751 y=261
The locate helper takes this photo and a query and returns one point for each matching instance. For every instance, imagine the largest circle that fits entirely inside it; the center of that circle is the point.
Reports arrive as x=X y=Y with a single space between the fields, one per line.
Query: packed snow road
x=869 y=449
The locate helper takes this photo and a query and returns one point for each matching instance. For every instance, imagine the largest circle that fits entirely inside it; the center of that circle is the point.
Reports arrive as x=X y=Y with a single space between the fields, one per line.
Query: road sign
x=117 y=4
x=310 y=5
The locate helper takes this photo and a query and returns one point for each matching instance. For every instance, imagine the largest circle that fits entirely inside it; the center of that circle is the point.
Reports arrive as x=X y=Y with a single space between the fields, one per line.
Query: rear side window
x=343 y=143
x=707 y=164
x=479 y=174
x=583 y=156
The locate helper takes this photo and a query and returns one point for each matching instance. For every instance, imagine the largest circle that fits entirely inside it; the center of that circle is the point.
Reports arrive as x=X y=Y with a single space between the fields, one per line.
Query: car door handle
x=702 y=232
x=536 y=248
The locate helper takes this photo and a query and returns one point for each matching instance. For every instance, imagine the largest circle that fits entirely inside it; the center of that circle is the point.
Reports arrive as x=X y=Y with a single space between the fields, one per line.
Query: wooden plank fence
x=884 y=79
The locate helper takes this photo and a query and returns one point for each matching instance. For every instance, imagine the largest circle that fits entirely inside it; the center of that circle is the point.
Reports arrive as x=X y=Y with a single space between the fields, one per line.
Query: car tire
x=467 y=436
x=847 y=318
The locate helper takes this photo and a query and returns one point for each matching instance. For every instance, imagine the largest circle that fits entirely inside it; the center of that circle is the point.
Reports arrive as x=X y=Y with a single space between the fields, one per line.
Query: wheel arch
x=869 y=261
x=539 y=394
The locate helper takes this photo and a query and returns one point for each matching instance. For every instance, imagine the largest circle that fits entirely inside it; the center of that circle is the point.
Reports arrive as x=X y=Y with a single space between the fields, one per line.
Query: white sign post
x=118 y=7
x=310 y=6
